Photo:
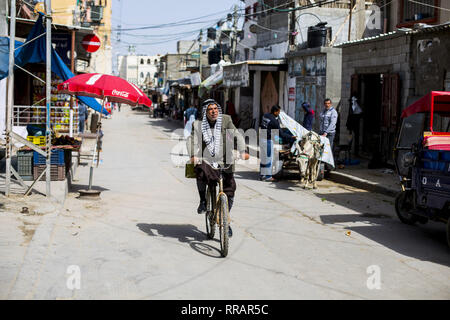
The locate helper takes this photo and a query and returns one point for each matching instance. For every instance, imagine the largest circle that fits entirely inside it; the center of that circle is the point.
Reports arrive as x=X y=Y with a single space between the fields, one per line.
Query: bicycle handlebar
x=220 y=168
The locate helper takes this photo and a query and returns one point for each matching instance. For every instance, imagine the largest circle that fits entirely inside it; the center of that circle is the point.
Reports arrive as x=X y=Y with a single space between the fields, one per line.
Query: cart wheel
x=321 y=174
x=403 y=208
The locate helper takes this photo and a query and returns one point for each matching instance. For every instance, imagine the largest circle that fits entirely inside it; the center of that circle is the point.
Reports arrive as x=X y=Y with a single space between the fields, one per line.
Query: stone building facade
x=387 y=73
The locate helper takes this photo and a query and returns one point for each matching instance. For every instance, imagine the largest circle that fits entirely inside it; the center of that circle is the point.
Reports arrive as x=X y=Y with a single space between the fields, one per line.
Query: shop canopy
x=435 y=101
x=35 y=52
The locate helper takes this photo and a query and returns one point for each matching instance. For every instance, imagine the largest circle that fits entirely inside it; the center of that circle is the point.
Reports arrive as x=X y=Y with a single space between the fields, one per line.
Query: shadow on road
x=164 y=124
x=185 y=233
x=424 y=242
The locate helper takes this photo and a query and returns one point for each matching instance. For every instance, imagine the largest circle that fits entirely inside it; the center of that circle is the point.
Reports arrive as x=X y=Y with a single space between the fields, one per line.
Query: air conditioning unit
x=96 y=13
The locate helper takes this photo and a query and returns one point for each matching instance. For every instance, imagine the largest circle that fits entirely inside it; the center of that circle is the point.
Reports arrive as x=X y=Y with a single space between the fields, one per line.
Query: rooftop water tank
x=319 y=35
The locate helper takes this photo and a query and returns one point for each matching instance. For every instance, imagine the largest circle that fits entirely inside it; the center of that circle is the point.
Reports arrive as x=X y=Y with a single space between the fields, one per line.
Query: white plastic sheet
x=299 y=131
x=188 y=126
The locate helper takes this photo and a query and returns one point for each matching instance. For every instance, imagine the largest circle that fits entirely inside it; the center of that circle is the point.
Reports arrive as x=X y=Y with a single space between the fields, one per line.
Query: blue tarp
x=35 y=52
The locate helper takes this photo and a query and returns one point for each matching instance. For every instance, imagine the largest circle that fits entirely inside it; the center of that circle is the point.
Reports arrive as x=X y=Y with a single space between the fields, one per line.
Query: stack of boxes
x=57 y=165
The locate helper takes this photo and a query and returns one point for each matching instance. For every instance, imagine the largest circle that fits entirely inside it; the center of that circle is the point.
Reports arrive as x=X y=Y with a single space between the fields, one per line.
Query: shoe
x=230 y=232
x=271 y=179
x=201 y=207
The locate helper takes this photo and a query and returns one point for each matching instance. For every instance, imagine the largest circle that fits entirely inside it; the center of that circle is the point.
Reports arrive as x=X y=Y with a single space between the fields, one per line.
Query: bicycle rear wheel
x=209 y=215
x=223 y=226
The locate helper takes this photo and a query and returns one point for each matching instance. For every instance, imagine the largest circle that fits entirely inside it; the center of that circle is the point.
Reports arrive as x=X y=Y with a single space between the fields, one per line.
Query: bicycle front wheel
x=210 y=209
x=223 y=224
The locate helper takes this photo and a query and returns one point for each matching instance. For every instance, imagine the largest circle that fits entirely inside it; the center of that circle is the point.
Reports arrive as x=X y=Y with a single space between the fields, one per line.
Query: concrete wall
x=430 y=61
x=173 y=67
x=335 y=18
x=382 y=56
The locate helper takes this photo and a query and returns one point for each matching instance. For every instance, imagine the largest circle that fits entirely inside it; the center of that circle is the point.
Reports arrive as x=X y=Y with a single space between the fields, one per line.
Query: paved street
x=144 y=239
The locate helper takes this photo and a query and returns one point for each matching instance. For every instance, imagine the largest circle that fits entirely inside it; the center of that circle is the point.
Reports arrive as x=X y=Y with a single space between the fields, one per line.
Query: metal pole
x=48 y=80
x=91 y=169
x=72 y=68
x=200 y=58
x=10 y=102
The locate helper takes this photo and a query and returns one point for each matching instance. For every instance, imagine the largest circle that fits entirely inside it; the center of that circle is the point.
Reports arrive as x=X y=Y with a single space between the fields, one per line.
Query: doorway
x=378 y=97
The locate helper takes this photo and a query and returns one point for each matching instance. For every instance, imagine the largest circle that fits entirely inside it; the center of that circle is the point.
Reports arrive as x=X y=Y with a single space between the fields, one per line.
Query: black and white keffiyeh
x=212 y=139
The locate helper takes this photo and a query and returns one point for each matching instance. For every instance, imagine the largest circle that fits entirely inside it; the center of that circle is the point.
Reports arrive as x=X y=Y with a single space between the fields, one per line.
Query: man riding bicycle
x=217 y=134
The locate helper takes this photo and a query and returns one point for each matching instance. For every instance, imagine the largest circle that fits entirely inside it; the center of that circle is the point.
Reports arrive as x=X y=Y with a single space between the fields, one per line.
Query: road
x=144 y=239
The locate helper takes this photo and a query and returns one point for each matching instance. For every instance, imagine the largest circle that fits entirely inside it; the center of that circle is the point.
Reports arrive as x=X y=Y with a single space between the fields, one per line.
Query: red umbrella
x=103 y=86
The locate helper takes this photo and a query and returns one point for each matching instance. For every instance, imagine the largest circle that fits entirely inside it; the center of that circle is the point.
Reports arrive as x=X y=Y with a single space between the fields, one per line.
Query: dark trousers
x=81 y=126
x=330 y=137
x=208 y=176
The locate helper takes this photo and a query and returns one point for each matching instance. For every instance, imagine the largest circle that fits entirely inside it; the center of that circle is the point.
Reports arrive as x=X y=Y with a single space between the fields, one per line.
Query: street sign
x=91 y=43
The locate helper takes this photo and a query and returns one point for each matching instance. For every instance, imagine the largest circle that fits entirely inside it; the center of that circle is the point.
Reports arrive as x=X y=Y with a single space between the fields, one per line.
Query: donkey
x=310 y=149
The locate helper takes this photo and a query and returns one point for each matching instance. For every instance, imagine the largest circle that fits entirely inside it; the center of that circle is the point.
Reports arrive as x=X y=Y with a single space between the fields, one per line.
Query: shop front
x=314 y=75
x=254 y=87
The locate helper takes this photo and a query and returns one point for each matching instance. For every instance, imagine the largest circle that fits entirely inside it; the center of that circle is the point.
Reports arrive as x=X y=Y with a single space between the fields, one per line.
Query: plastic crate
x=25 y=165
x=39 y=140
x=57 y=158
x=57 y=173
x=430 y=154
x=434 y=165
x=445 y=155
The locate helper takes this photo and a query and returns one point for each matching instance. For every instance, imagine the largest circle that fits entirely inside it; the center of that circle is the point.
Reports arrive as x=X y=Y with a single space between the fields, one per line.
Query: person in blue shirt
x=328 y=120
x=82 y=116
x=308 y=120
x=189 y=112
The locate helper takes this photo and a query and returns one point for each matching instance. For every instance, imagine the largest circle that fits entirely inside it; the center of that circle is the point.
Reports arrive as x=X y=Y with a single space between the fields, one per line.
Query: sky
x=143 y=13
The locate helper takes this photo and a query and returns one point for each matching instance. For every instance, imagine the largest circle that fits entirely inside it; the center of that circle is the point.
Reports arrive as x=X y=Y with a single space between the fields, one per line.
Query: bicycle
x=217 y=212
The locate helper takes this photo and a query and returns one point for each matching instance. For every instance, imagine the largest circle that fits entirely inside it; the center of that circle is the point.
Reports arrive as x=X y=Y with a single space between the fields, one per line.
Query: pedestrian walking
x=270 y=122
x=308 y=120
x=328 y=120
x=191 y=111
x=82 y=116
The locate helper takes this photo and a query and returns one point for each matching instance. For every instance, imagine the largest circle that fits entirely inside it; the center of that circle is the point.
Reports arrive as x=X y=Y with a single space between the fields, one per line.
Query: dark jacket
x=308 y=120
x=229 y=134
x=269 y=122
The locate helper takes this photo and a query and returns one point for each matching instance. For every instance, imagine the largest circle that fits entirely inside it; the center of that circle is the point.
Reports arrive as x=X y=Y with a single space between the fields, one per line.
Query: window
x=414 y=12
x=142 y=61
x=148 y=61
x=142 y=74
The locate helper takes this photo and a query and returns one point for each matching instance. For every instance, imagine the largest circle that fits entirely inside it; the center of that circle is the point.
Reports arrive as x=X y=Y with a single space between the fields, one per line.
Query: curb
x=353 y=181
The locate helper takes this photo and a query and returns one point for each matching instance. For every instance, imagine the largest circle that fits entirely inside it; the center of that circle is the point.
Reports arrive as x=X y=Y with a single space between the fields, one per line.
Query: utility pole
x=48 y=78
x=10 y=102
x=200 y=49
x=234 y=37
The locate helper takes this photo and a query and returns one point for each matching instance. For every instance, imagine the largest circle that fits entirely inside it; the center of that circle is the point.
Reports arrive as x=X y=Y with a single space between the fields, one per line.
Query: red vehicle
x=422 y=158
